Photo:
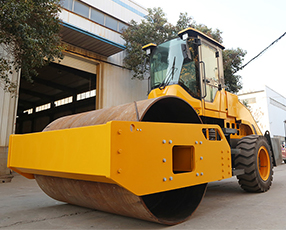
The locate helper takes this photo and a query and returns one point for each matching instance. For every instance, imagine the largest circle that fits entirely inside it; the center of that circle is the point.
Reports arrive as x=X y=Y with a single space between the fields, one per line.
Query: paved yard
x=24 y=206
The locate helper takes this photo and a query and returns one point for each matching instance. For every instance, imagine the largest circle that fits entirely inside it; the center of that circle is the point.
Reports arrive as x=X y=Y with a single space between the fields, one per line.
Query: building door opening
x=57 y=91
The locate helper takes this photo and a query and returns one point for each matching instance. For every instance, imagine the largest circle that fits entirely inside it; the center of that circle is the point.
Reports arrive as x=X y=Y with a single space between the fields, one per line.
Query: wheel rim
x=263 y=163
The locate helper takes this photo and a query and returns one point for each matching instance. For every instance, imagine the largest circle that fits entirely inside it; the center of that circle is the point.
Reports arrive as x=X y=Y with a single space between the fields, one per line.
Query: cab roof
x=195 y=33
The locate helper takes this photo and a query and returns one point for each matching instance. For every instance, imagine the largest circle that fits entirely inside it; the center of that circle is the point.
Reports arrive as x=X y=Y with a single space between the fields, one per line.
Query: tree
x=29 y=36
x=232 y=60
x=156 y=29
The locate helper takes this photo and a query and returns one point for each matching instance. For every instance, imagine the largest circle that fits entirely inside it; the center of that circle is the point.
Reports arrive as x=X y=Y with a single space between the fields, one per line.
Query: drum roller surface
x=169 y=207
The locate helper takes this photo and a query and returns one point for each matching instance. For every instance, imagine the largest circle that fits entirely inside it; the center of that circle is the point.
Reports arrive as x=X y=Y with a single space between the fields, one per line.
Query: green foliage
x=29 y=36
x=184 y=22
x=156 y=29
x=232 y=59
x=216 y=34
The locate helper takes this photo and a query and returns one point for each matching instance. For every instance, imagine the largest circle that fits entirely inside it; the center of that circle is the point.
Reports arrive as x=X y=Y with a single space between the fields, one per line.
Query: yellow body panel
x=176 y=90
x=238 y=111
x=225 y=106
x=142 y=157
x=67 y=153
x=217 y=108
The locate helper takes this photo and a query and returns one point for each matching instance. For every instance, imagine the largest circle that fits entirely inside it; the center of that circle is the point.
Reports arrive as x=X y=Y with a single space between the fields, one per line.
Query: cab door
x=210 y=75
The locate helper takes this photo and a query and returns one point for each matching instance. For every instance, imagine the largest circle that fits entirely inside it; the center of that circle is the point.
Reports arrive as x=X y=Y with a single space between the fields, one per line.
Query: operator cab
x=191 y=61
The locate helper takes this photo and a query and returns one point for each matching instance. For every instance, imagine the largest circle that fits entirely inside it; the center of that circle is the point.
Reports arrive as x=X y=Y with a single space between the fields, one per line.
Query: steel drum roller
x=169 y=207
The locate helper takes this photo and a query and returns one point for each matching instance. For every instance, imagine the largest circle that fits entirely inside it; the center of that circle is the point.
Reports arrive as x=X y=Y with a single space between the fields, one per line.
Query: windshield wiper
x=169 y=77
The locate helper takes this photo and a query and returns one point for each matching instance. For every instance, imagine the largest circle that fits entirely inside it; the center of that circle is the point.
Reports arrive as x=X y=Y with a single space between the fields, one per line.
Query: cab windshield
x=176 y=62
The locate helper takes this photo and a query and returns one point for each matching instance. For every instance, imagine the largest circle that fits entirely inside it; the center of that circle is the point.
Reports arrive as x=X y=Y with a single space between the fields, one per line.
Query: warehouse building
x=91 y=75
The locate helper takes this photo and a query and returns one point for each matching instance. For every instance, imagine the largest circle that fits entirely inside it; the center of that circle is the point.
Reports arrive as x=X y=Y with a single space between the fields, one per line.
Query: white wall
x=8 y=104
x=7 y=116
x=124 y=10
x=8 y=108
x=277 y=112
x=268 y=109
x=117 y=87
x=90 y=26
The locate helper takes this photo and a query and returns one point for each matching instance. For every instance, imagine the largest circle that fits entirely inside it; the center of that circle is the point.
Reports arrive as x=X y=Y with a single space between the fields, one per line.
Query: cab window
x=210 y=71
x=189 y=76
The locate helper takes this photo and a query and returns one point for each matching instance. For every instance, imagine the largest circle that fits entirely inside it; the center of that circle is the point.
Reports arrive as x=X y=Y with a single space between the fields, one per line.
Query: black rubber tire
x=252 y=180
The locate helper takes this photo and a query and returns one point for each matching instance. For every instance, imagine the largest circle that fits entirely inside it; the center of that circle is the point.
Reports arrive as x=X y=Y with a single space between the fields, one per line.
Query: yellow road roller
x=152 y=159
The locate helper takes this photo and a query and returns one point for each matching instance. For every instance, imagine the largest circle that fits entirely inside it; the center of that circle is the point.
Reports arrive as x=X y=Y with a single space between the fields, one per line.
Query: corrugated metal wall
x=117 y=87
x=124 y=10
x=78 y=62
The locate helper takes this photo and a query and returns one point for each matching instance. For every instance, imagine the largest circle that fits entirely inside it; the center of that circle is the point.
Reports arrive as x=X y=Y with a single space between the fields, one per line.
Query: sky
x=251 y=25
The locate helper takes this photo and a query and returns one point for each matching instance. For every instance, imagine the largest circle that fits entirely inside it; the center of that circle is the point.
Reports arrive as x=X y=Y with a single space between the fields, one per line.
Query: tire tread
x=251 y=180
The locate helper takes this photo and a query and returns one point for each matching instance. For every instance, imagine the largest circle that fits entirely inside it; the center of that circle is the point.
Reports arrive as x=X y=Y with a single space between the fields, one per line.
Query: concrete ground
x=24 y=206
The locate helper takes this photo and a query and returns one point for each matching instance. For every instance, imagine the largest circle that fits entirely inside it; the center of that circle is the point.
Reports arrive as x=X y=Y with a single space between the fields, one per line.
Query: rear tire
x=256 y=159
